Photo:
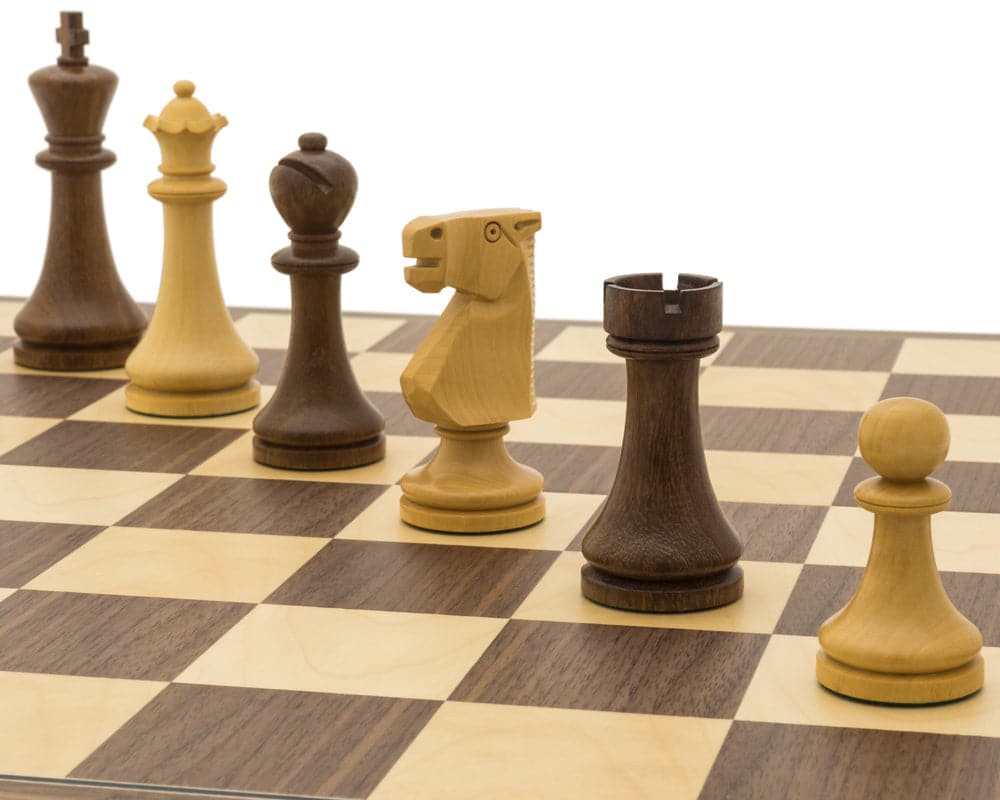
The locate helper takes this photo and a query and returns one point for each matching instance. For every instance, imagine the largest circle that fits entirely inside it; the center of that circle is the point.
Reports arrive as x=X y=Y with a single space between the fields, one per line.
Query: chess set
x=308 y=554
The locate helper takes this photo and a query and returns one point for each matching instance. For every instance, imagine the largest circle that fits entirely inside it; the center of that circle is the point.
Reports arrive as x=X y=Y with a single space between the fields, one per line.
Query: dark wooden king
x=661 y=542
x=79 y=316
x=318 y=417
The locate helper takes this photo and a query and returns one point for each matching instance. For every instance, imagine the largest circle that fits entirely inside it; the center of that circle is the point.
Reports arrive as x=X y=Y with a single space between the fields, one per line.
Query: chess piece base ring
x=193 y=404
x=669 y=596
x=452 y=520
x=36 y=355
x=905 y=689
x=356 y=454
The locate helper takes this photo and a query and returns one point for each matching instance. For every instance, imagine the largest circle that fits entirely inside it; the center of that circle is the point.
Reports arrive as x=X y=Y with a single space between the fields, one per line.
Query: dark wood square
x=32 y=788
x=29 y=548
x=762 y=761
x=425 y=578
x=615 y=668
x=407 y=337
x=50 y=395
x=811 y=349
x=775 y=532
x=570 y=467
x=301 y=743
x=271 y=364
x=6 y=341
x=109 y=636
x=399 y=420
x=123 y=446
x=774 y=430
x=953 y=394
x=250 y=505
x=579 y=380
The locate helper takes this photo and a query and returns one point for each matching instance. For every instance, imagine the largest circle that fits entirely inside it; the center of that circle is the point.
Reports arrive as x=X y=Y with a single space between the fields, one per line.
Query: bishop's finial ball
x=184 y=88
x=904 y=438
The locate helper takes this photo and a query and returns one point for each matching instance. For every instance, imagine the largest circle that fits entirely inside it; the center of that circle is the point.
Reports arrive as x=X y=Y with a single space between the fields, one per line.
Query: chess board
x=178 y=621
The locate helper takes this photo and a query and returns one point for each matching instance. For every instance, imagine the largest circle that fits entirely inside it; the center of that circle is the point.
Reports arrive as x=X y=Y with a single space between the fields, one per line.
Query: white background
x=836 y=164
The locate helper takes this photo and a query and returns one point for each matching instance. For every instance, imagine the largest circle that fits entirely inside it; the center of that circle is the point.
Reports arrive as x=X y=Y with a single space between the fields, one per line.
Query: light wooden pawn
x=900 y=639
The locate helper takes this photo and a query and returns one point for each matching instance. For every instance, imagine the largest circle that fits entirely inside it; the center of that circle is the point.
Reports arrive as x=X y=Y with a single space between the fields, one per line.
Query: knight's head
x=474 y=251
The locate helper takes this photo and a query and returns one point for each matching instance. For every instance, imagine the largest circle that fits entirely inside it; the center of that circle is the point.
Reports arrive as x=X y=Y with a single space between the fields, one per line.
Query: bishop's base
x=450 y=520
x=192 y=404
x=664 y=596
x=313 y=458
x=906 y=689
x=37 y=355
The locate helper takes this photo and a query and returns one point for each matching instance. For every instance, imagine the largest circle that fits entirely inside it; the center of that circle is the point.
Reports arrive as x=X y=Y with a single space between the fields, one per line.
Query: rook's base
x=192 y=404
x=909 y=689
x=637 y=595
x=309 y=458
x=450 y=520
x=72 y=359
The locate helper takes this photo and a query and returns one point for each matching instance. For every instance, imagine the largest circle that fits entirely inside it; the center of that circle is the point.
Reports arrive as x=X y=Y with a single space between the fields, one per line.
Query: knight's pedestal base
x=458 y=521
x=671 y=596
x=308 y=458
x=193 y=404
x=36 y=355
x=908 y=689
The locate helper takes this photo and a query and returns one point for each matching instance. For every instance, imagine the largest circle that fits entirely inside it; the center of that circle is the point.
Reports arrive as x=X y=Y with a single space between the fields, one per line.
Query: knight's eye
x=492 y=231
x=436 y=233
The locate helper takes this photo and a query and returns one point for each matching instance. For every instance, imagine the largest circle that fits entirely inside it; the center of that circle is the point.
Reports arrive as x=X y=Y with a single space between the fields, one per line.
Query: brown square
x=774 y=430
x=423 y=578
x=29 y=548
x=50 y=395
x=220 y=737
x=407 y=337
x=775 y=532
x=108 y=636
x=399 y=420
x=250 y=505
x=615 y=668
x=580 y=380
x=124 y=446
x=953 y=394
x=271 y=364
x=806 y=349
x=584 y=469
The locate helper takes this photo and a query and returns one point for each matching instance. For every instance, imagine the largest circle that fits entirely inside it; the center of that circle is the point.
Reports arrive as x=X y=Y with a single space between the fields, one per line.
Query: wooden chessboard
x=179 y=618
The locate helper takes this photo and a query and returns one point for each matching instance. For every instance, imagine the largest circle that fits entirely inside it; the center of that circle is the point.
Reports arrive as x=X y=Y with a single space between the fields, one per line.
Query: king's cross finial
x=72 y=36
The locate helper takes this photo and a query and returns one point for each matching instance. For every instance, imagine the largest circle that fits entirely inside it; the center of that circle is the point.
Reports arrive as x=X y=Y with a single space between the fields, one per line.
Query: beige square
x=194 y=565
x=5 y=593
x=111 y=408
x=920 y=356
x=784 y=689
x=569 y=421
x=565 y=515
x=974 y=438
x=76 y=496
x=271 y=329
x=820 y=389
x=586 y=343
x=471 y=750
x=8 y=367
x=347 y=651
x=17 y=430
x=783 y=478
x=557 y=598
x=50 y=723
x=379 y=372
x=963 y=541
x=8 y=310
x=402 y=453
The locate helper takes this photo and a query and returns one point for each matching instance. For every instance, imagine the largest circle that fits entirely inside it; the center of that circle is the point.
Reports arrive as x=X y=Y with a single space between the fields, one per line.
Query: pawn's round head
x=904 y=438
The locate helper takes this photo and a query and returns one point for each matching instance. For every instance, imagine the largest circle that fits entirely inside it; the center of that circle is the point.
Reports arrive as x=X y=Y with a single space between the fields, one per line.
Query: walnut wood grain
x=29 y=548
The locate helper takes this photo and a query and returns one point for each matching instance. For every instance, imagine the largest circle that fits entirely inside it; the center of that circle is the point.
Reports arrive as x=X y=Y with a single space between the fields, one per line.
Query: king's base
x=192 y=404
x=906 y=689
x=664 y=596
x=450 y=520
x=72 y=359
x=344 y=457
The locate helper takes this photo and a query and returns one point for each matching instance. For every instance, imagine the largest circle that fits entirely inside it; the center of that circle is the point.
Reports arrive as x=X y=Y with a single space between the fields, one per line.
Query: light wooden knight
x=474 y=372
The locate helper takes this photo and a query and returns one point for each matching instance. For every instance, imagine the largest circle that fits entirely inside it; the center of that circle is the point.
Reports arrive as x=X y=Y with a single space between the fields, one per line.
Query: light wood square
x=782 y=478
x=17 y=430
x=50 y=723
x=557 y=598
x=586 y=343
x=76 y=496
x=784 y=689
x=191 y=565
x=379 y=372
x=471 y=751
x=111 y=408
x=402 y=453
x=974 y=438
x=560 y=420
x=347 y=651
x=271 y=329
x=8 y=310
x=565 y=515
x=8 y=367
x=926 y=356
x=818 y=389
x=963 y=541
x=5 y=593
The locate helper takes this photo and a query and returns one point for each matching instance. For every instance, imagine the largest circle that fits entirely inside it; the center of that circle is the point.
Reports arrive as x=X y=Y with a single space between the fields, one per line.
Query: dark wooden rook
x=318 y=417
x=661 y=541
x=79 y=316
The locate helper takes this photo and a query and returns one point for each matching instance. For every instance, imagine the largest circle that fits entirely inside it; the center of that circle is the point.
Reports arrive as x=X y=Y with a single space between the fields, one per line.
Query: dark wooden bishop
x=79 y=316
x=318 y=417
x=661 y=542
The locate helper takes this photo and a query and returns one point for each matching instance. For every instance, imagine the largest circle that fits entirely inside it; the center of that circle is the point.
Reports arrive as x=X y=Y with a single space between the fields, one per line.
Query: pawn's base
x=450 y=520
x=37 y=355
x=906 y=689
x=192 y=404
x=356 y=454
x=665 y=596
